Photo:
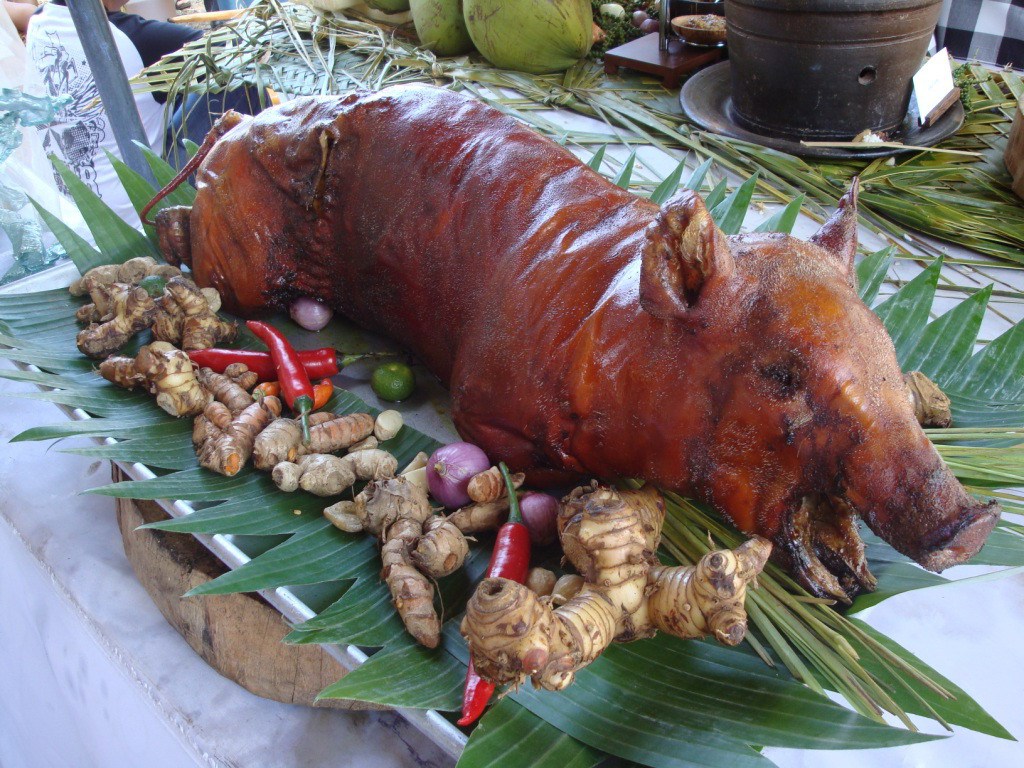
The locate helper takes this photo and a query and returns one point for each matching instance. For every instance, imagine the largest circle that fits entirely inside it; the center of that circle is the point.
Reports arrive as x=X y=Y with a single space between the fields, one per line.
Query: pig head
x=583 y=330
x=806 y=418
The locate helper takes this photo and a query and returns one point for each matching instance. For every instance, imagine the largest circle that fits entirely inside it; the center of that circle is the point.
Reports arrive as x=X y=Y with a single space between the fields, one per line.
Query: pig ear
x=838 y=235
x=684 y=251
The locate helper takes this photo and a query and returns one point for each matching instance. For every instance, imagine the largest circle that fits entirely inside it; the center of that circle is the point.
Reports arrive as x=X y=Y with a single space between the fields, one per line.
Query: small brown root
x=541 y=581
x=489 y=486
x=480 y=517
x=225 y=390
x=441 y=550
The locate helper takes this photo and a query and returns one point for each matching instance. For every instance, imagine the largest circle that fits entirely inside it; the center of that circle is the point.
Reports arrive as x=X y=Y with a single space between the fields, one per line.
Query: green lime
x=153 y=285
x=393 y=382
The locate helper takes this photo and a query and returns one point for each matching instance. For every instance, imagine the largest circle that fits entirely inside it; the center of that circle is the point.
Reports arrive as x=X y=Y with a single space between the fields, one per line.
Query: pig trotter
x=825 y=550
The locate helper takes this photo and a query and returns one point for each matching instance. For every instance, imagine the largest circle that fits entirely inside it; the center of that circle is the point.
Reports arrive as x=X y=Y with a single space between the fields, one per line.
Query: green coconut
x=441 y=27
x=389 y=6
x=535 y=36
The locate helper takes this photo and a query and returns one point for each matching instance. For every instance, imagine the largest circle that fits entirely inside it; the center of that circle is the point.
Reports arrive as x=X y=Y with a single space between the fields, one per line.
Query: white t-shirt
x=82 y=132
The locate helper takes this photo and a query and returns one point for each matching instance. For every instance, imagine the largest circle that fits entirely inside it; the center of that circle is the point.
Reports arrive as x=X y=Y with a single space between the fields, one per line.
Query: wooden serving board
x=1014 y=156
x=238 y=635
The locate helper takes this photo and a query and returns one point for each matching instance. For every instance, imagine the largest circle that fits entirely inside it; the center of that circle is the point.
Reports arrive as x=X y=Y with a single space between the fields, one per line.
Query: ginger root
x=611 y=538
x=479 y=517
x=131 y=310
x=416 y=546
x=185 y=317
x=166 y=372
x=395 y=511
x=489 y=486
x=327 y=475
x=224 y=440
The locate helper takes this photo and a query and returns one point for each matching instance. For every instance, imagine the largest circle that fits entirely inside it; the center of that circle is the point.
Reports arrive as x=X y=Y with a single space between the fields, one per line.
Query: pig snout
x=913 y=501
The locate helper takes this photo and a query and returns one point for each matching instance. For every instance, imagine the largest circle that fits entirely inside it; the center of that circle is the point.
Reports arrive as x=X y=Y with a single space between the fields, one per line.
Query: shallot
x=449 y=470
x=649 y=26
x=540 y=511
x=310 y=313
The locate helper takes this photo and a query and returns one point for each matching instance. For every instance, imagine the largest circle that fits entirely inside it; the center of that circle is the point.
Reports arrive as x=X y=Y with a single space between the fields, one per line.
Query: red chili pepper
x=319 y=363
x=322 y=393
x=295 y=385
x=510 y=559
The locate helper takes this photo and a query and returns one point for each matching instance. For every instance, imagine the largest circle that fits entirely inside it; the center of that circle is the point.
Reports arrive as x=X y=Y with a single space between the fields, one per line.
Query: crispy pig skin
x=585 y=331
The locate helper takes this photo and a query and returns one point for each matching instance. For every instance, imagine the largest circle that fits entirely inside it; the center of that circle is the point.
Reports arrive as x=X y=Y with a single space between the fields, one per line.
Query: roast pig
x=585 y=331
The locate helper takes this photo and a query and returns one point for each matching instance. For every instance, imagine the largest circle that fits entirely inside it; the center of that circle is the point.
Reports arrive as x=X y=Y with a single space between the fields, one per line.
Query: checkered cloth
x=991 y=31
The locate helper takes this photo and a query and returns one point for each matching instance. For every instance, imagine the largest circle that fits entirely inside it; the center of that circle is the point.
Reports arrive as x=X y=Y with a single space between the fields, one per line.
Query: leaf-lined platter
x=663 y=702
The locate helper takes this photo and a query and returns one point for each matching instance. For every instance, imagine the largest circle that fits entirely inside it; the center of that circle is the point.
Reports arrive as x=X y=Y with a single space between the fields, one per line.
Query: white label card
x=933 y=86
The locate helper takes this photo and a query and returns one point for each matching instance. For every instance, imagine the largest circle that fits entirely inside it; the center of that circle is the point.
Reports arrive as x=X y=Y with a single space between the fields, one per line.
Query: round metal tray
x=706 y=99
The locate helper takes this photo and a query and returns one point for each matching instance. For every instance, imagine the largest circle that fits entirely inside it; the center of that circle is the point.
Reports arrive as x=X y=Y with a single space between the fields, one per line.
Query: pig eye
x=783 y=377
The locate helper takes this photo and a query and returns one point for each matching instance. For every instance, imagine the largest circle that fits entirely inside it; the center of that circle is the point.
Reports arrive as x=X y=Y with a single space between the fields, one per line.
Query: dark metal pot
x=825 y=69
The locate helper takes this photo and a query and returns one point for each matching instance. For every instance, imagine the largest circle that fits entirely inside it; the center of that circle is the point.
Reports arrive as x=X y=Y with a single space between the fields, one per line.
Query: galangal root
x=611 y=538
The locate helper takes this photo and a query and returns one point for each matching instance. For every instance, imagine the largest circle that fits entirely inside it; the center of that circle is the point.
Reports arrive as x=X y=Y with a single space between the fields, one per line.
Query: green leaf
x=960 y=710
x=668 y=187
x=626 y=172
x=906 y=311
x=506 y=728
x=716 y=195
x=948 y=342
x=896 y=574
x=729 y=213
x=363 y=616
x=164 y=173
x=316 y=553
x=669 y=702
x=997 y=372
x=77 y=247
x=408 y=675
x=784 y=219
x=1004 y=547
x=697 y=177
x=117 y=240
x=597 y=159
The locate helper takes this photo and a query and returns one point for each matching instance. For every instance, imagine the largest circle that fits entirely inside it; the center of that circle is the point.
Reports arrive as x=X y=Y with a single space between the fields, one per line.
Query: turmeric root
x=327 y=475
x=277 y=443
x=931 y=405
x=226 y=439
x=131 y=310
x=339 y=433
x=488 y=485
x=611 y=538
x=226 y=389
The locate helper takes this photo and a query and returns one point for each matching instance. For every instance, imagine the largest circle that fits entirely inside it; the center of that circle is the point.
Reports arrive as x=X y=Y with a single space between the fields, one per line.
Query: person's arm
x=20 y=13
